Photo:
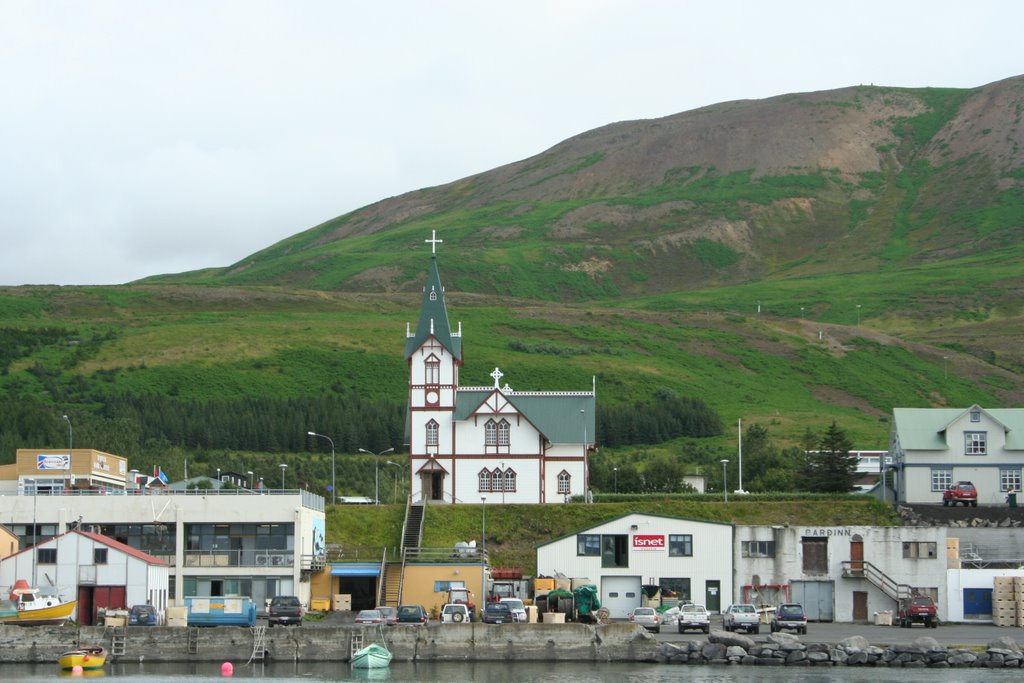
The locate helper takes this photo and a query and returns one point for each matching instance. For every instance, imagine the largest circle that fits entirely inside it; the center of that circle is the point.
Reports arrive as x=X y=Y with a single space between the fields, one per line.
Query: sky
x=143 y=137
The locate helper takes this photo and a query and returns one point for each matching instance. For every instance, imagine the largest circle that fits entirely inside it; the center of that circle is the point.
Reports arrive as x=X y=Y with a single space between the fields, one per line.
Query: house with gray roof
x=932 y=448
x=487 y=443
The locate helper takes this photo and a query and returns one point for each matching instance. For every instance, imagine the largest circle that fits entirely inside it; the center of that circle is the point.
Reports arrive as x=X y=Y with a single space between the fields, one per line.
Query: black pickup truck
x=285 y=609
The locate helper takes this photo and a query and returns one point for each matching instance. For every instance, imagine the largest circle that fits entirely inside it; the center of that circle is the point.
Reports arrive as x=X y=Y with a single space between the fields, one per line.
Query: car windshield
x=743 y=608
x=369 y=614
x=790 y=611
x=643 y=611
x=291 y=601
x=922 y=601
x=514 y=604
x=408 y=610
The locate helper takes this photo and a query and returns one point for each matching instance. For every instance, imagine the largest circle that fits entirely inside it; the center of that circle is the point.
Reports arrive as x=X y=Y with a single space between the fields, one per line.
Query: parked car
x=789 y=616
x=919 y=609
x=284 y=610
x=742 y=616
x=455 y=613
x=960 y=492
x=517 y=607
x=647 y=617
x=412 y=614
x=497 y=613
x=693 y=617
x=142 y=615
x=390 y=614
x=369 y=616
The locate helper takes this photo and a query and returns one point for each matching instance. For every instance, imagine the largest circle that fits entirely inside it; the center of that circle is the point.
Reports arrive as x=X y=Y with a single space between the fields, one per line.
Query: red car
x=960 y=492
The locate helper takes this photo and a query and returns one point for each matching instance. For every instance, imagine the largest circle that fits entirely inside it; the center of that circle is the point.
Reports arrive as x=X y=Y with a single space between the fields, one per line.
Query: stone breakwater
x=783 y=649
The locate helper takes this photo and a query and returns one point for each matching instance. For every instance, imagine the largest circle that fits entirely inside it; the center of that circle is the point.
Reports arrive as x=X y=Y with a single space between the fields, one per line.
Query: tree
x=830 y=469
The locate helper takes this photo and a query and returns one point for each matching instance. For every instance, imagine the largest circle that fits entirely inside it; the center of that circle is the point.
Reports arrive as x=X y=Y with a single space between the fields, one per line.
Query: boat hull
x=54 y=615
x=88 y=658
x=371 y=657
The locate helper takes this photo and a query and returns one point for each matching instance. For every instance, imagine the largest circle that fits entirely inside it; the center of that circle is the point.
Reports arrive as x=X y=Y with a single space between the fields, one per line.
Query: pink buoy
x=227 y=669
x=76 y=670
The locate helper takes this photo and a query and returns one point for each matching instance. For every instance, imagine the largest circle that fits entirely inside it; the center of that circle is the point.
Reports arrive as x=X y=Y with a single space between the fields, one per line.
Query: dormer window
x=432 y=370
x=975 y=415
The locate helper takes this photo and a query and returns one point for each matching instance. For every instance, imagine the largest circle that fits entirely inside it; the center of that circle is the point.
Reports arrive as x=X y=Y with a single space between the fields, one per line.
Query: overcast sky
x=139 y=138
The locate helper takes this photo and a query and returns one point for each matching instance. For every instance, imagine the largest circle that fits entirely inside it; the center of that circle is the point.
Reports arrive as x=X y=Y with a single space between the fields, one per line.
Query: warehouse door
x=620 y=594
x=817 y=597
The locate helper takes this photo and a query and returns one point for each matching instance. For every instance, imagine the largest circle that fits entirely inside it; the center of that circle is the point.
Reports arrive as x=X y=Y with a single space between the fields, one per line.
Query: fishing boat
x=25 y=607
x=87 y=658
x=373 y=656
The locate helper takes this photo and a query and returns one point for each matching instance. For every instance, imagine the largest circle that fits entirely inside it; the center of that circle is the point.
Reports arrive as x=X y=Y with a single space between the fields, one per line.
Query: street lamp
x=71 y=448
x=283 y=468
x=483 y=553
x=725 y=480
x=334 y=488
x=586 y=481
x=858 y=315
x=615 y=471
x=248 y=480
x=376 y=472
x=394 y=496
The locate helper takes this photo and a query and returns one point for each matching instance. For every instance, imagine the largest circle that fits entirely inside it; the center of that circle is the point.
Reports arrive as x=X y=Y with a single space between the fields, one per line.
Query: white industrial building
x=680 y=559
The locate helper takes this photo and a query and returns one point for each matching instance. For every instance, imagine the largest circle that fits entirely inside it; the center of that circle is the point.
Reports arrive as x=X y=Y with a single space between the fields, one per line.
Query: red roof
x=107 y=541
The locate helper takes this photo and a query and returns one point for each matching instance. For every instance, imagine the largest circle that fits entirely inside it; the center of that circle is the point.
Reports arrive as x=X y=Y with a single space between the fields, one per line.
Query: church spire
x=433 y=313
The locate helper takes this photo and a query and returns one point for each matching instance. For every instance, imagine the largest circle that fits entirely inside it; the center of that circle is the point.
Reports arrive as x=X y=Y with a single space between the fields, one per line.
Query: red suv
x=960 y=492
x=919 y=609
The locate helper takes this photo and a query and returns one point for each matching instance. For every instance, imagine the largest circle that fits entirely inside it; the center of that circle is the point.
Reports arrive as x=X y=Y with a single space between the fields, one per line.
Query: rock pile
x=784 y=649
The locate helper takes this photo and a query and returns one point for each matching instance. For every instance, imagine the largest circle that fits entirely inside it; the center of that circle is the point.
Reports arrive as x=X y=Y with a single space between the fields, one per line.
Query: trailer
x=221 y=611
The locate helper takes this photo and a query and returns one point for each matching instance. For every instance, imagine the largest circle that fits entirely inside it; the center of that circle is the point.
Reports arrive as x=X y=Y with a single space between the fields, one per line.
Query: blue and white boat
x=373 y=656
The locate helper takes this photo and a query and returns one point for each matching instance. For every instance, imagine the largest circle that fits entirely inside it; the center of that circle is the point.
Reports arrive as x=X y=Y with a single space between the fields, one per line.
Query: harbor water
x=521 y=672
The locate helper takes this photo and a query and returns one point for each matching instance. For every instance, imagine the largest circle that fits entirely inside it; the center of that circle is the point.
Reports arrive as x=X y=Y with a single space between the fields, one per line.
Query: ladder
x=259 y=644
x=118 y=641
x=193 y=640
x=356 y=643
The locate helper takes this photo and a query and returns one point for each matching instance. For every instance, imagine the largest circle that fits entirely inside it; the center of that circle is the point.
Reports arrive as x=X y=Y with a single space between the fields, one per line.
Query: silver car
x=646 y=617
x=743 y=616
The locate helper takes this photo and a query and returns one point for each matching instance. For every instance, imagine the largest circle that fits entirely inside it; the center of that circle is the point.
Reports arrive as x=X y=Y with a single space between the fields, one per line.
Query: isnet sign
x=649 y=542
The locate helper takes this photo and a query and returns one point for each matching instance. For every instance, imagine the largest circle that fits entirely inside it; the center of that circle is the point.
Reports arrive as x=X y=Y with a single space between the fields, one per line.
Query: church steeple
x=433 y=313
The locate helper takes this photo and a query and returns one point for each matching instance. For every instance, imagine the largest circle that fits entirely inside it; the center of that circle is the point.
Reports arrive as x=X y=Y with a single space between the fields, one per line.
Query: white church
x=475 y=444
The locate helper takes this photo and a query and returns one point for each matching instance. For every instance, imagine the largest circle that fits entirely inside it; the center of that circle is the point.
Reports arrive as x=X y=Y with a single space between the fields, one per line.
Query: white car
x=455 y=613
x=743 y=617
x=693 y=617
x=517 y=608
x=647 y=617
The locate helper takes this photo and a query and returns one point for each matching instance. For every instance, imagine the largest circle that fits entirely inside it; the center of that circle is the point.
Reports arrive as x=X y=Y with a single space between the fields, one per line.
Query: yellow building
x=50 y=471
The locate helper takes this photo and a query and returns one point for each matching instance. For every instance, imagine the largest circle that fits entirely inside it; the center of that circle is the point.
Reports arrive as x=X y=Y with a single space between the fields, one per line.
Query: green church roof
x=434 y=318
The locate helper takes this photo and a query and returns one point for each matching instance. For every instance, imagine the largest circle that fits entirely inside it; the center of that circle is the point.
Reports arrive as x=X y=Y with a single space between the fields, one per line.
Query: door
x=437 y=486
x=713 y=595
x=860 y=606
x=620 y=594
x=817 y=597
x=977 y=603
x=857 y=556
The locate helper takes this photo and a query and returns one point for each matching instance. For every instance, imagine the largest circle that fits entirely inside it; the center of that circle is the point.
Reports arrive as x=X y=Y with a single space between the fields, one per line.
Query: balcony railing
x=239 y=558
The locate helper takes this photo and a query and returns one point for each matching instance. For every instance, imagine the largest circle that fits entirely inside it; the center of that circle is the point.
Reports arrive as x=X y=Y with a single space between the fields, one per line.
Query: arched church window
x=432 y=432
x=432 y=370
x=491 y=433
x=564 y=483
x=503 y=433
x=509 y=479
x=484 y=481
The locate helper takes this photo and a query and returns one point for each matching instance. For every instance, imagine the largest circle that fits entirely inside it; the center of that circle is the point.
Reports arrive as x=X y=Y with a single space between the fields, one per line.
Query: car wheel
x=974 y=503
x=772 y=627
x=681 y=629
x=657 y=629
x=803 y=631
x=707 y=629
x=757 y=629
x=456 y=617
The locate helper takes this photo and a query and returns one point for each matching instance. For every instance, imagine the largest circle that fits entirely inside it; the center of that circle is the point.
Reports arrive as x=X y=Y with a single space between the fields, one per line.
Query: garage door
x=620 y=594
x=817 y=597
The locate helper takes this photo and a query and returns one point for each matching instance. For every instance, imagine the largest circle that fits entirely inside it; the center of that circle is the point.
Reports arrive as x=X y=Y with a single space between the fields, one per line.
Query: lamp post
x=376 y=472
x=586 y=480
x=283 y=468
x=249 y=480
x=858 y=315
x=615 y=472
x=483 y=553
x=725 y=480
x=394 y=496
x=334 y=487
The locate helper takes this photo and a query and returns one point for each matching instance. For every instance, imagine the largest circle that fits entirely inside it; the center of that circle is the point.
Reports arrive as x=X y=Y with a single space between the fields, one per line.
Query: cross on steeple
x=497 y=375
x=433 y=241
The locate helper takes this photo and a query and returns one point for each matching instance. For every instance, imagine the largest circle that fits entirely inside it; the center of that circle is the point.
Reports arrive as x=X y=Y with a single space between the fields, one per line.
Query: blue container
x=221 y=611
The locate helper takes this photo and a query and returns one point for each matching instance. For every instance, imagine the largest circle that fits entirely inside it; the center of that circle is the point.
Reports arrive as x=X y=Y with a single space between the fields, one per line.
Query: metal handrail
x=865 y=570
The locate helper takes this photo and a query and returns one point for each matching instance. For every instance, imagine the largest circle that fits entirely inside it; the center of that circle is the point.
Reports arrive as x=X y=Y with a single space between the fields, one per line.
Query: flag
x=160 y=475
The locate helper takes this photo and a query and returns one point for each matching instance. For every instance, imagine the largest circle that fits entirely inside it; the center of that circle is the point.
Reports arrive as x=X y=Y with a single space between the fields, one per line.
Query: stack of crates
x=1006 y=592
x=1018 y=592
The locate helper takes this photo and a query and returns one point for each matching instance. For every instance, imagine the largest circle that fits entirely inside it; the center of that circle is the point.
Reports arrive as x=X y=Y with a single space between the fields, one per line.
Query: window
x=975 y=415
x=510 y=480
x=676 y=587
x=917 y=550
x=975 y=443
x=99 y=556
x=1009 y=479
x=815 y=554
x=942 y=478
x=564 y=483
x=433 y=295
x=757 y=548
x=680 y=545
x=588 y=544
x=432 y=433
x=432 y=370
x=444 y=586
x=46 y=556
x=484 y=483
x=491 y=433
x=503 y=433
x=615 y=551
